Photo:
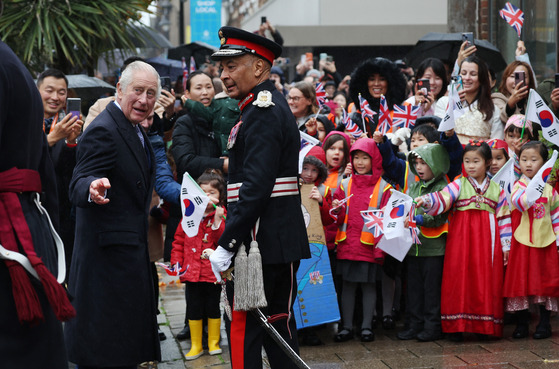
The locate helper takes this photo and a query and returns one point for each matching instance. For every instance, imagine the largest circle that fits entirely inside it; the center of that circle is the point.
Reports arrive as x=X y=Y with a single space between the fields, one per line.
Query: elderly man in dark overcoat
x=110 y=276
x=262 y=189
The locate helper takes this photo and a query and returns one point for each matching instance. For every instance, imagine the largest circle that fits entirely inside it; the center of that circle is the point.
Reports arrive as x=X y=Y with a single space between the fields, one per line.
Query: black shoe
x=310 y=338
x=521 y=331
x=409 y=334
x=343 y=335
x=542 y=332
x=162 y=336
x=367 y=335
x=184 y=334
x=455 y=337
x=429 y=335
x=388 y=322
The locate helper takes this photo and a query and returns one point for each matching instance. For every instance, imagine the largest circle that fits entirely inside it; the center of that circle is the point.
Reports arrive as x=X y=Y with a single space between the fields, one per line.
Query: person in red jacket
x=201 y=291
x=359 y=260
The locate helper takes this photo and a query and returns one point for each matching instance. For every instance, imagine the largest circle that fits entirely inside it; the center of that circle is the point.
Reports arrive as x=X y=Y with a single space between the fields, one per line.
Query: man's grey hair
x=131 y=69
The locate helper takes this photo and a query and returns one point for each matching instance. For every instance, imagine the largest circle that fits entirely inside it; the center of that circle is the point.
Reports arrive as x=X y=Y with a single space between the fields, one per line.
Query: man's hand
x=98 y=190
x=63 y=129
x=220 y=260
x=167 y=101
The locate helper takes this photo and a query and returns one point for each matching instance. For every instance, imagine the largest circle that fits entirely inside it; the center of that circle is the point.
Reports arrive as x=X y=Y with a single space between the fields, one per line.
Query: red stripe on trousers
x=238 y=328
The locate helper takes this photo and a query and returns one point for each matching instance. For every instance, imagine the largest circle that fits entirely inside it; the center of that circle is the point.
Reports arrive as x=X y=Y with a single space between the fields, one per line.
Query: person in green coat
x=429 y=163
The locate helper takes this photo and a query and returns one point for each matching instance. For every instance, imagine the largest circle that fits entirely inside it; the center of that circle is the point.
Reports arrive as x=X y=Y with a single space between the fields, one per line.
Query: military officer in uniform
x=263 y=196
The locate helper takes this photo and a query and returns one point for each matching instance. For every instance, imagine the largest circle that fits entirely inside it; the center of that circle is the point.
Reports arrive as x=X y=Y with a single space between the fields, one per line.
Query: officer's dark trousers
x=424 y=292
x=245 y=334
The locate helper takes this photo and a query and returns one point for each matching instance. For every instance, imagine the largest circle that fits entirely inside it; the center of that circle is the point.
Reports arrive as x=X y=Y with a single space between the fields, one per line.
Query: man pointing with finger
x=110 y=275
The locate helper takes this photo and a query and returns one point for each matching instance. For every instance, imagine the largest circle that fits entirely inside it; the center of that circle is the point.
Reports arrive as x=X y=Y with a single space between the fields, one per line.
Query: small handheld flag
x=193 y=205
x=535 y=188
x=373 y=221
x=192 y=64
x=404 y=116
x=320 y=94
x=414 y=231
x=184 y=73
x=514 y=16
x=454 y=109
x=538 y=111
x=366 y=111
x=384 y=119
x=350 y=125
x=173 y=270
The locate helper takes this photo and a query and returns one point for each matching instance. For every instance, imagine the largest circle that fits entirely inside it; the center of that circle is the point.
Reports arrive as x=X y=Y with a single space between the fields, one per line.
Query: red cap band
x=259 y=49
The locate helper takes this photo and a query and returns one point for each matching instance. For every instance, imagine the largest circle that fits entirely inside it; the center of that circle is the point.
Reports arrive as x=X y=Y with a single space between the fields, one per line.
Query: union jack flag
x=366 y=110
x=514 y=16
x=413 y=226
x=320 y=94
x=384 y=119
x=184 y=73
x=174 y=270
x=404 y=116
x=373 y=221
x=192 y=64
x=350 y=125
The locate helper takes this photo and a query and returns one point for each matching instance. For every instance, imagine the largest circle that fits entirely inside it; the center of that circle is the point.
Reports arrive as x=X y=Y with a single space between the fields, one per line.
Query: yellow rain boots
x=214 y=328
x=196 y=349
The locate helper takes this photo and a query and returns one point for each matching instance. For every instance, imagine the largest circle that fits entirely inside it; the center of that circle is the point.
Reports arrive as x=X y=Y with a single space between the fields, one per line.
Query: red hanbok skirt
x=471 y=296
x=532 y=271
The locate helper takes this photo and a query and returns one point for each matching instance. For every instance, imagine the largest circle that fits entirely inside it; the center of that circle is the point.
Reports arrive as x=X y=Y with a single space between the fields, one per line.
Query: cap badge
x=264 y=99
x=221 y=38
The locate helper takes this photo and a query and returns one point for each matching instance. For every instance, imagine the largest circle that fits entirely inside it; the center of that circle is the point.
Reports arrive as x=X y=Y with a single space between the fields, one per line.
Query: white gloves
x=400 y=136
x=220 y=260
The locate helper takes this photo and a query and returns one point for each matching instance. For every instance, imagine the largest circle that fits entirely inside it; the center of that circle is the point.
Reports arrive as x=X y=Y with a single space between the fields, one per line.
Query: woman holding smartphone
x=514 y=89
x=481 y=118
x=432 y=71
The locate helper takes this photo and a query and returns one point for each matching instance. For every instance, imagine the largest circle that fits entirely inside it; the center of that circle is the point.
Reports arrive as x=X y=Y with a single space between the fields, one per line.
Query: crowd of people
x=479 y=259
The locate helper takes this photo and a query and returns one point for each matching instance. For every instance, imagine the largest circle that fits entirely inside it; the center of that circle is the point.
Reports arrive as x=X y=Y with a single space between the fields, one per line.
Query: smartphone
x=468 y=36
x=458 y=81
x=166 y=83
x=263 y=20
x=556 y=80
x=323 y=56
x=519 y=77
x=424 y=83
x=330 y=58
x=73 y=106
x=308 y=57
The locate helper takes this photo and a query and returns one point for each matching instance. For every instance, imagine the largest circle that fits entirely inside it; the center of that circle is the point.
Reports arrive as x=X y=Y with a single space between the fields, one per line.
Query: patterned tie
x=140 y=135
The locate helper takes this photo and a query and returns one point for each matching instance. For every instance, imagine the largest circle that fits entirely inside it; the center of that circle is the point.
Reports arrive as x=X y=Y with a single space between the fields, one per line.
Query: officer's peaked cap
x=236 y=42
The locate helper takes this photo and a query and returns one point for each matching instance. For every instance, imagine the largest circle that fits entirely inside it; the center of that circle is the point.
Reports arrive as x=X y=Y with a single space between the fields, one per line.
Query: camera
x=468 y=36
x=73 y=106
x=519 y=77
x=424 y=83
x=166 y=83
x=263 y=20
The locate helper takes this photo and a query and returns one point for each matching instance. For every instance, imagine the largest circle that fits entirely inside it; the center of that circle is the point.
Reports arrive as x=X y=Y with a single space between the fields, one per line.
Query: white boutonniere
x=264 y=99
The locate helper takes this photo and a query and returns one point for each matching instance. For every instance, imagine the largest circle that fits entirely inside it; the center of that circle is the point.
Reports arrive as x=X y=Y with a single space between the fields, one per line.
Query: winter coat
x=362 y=188
x=188 y=250
x=165 y=184
x=194 y=147
x=436 y=158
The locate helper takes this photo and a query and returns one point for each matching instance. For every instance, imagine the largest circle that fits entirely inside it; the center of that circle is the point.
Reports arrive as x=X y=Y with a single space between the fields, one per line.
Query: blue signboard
x=205 y=21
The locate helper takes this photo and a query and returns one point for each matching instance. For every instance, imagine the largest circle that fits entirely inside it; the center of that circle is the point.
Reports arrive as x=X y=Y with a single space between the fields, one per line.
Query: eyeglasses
x=293 y=98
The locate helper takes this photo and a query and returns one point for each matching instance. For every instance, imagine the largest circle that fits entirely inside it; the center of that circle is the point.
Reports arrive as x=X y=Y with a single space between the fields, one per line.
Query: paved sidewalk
x=386 y=352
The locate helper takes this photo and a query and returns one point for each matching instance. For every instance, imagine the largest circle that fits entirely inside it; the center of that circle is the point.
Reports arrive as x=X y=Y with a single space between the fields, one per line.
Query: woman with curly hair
x=372 y=79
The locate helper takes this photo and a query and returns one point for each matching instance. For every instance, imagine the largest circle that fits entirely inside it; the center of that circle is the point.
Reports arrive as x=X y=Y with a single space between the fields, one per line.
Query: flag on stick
x=373 y=221
x=404 y=116
x=350 y=125
x=535 y=188
x=193 y=205
x=384 y=118
x=538 y=111
x=514 y=16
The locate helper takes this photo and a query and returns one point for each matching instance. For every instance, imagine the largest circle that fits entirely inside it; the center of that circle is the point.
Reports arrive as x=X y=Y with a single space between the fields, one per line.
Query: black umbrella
x=166 y=67
x=200 y=50
x=89 y=88
x=445 y=46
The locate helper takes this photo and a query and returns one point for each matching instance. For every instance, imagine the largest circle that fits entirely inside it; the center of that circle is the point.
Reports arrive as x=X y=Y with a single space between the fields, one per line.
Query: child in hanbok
x=479 y=232
x=532 y=275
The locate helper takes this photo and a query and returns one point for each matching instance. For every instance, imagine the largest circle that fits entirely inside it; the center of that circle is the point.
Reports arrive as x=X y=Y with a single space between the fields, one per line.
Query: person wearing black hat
x=263 y=199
